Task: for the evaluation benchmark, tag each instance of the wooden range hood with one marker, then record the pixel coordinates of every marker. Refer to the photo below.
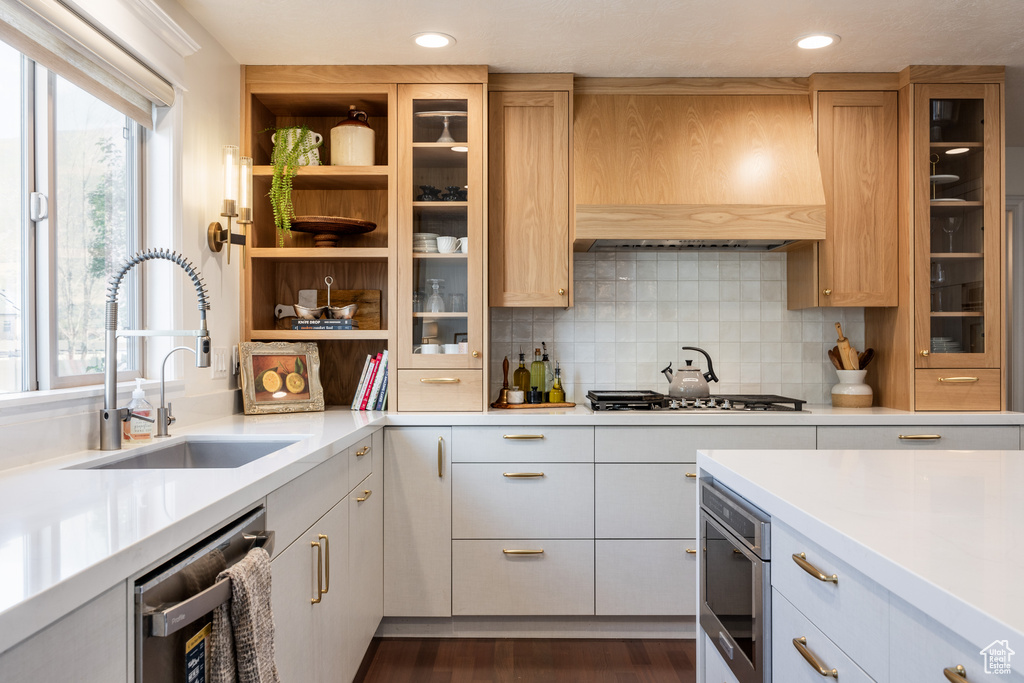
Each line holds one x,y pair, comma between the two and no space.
702,168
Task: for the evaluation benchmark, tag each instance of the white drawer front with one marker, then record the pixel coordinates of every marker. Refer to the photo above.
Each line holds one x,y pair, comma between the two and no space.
924,648
916,437
498,501
790,666
522,444
300,502
360,459
645,501
650,577
853,612
488,581
680,444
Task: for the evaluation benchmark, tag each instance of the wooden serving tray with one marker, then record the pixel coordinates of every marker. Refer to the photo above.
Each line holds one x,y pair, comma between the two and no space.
519,406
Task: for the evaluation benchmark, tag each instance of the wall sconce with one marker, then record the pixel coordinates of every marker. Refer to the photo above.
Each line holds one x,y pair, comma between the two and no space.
237,202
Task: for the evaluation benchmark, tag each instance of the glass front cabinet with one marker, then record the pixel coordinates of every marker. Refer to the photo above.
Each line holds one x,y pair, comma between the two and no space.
959,230
440,295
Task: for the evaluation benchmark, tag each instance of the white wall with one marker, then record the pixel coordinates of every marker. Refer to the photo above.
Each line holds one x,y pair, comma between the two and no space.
1015,170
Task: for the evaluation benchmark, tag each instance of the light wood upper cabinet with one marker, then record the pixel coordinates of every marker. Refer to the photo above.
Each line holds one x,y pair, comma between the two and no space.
530,242
856,264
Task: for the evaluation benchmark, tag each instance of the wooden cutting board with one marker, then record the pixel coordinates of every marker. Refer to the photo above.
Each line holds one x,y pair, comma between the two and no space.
368,300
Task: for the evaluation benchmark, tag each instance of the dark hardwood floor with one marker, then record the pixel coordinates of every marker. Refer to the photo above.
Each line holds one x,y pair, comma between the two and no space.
444,660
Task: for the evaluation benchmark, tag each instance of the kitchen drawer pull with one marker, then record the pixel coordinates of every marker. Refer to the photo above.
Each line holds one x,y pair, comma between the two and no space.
440,380
319,571
801,559
327,562
801,646
522,437
362,451
366,494
524,551
691,551
958,380
440,440
956,675
691,475
920,437
522,475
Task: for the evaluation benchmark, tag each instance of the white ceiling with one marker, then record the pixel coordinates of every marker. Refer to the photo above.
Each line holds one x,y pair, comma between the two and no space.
638,38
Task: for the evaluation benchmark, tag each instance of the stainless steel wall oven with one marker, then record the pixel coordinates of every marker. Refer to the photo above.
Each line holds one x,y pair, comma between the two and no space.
735,581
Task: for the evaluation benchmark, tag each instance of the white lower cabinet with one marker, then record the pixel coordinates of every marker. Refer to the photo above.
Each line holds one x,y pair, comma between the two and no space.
523,577
417,522
327,593
645,501
715,668
647,577
910,437
801,653
89,645
923,650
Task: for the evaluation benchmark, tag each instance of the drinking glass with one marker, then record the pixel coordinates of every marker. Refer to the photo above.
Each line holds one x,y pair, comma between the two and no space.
951,224
435,303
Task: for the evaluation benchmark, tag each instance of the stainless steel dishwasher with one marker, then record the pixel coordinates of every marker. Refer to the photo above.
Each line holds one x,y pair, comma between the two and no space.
174,603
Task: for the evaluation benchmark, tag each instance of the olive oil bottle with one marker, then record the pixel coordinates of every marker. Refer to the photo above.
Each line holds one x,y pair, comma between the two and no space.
557,393
521,377
538,377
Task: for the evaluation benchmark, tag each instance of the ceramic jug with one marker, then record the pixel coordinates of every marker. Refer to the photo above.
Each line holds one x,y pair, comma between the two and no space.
352,140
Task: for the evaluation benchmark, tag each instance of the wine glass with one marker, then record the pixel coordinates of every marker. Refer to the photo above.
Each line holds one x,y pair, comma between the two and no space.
938,280
435,302
951,224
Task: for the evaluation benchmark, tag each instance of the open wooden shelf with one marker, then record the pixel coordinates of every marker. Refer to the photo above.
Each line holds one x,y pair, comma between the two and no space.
331,177
314,335
296,254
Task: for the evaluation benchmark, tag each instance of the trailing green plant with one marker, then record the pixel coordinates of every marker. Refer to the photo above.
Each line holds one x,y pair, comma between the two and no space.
284,158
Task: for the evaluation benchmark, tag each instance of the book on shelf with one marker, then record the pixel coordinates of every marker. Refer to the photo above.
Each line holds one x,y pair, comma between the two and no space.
358,397
303,324
371,403
383,398
370,378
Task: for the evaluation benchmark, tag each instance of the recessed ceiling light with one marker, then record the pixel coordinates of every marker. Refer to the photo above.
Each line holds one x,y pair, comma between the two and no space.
460,148
432,39
958,150
817,40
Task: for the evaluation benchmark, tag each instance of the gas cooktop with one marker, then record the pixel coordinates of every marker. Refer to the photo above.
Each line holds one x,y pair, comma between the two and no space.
652,400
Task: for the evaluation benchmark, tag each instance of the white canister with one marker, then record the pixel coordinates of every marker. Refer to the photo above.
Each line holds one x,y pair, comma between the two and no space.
852,392
352,140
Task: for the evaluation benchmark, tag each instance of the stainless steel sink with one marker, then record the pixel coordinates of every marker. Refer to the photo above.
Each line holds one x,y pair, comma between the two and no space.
195,453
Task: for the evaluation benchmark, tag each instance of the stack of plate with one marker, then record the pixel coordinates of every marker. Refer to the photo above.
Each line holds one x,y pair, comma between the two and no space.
424,242
946,345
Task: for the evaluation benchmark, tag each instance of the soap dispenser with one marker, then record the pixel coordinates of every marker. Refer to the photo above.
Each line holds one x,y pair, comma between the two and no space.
136,430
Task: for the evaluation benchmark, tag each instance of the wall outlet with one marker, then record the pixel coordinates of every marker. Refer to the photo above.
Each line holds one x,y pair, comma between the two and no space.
219,363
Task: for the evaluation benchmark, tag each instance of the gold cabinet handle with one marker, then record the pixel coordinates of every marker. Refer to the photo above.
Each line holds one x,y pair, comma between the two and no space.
522,437
801,646
691,551
366,494
440,461
691,475
362,451
925,353
827,292
522,475
319,572
523,551
440,380
958,380
956,675
919,437
561,291
476,354
327,561
801,560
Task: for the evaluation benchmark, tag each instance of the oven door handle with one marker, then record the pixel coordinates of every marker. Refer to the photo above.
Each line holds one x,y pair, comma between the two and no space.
727,647
166,621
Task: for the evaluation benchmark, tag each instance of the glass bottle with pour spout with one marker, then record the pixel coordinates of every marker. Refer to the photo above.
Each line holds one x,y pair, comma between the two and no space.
521,377
557,394
549,375
538,375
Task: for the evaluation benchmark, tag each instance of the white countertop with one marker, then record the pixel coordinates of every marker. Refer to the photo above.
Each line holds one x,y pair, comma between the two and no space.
67,535
943,530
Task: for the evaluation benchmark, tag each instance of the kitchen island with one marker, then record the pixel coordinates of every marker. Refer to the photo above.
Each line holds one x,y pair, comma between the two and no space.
918,553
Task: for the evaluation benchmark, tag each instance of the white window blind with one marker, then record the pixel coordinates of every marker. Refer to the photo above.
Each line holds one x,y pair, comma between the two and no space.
53,35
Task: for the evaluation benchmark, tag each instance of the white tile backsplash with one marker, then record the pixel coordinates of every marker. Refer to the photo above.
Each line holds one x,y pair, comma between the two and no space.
634,311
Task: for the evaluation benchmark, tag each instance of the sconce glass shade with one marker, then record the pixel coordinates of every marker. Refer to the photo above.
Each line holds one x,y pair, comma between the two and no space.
230,164
245,190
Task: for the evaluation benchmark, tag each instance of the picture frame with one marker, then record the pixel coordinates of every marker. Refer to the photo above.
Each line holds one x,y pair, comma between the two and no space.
460,337
280,377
